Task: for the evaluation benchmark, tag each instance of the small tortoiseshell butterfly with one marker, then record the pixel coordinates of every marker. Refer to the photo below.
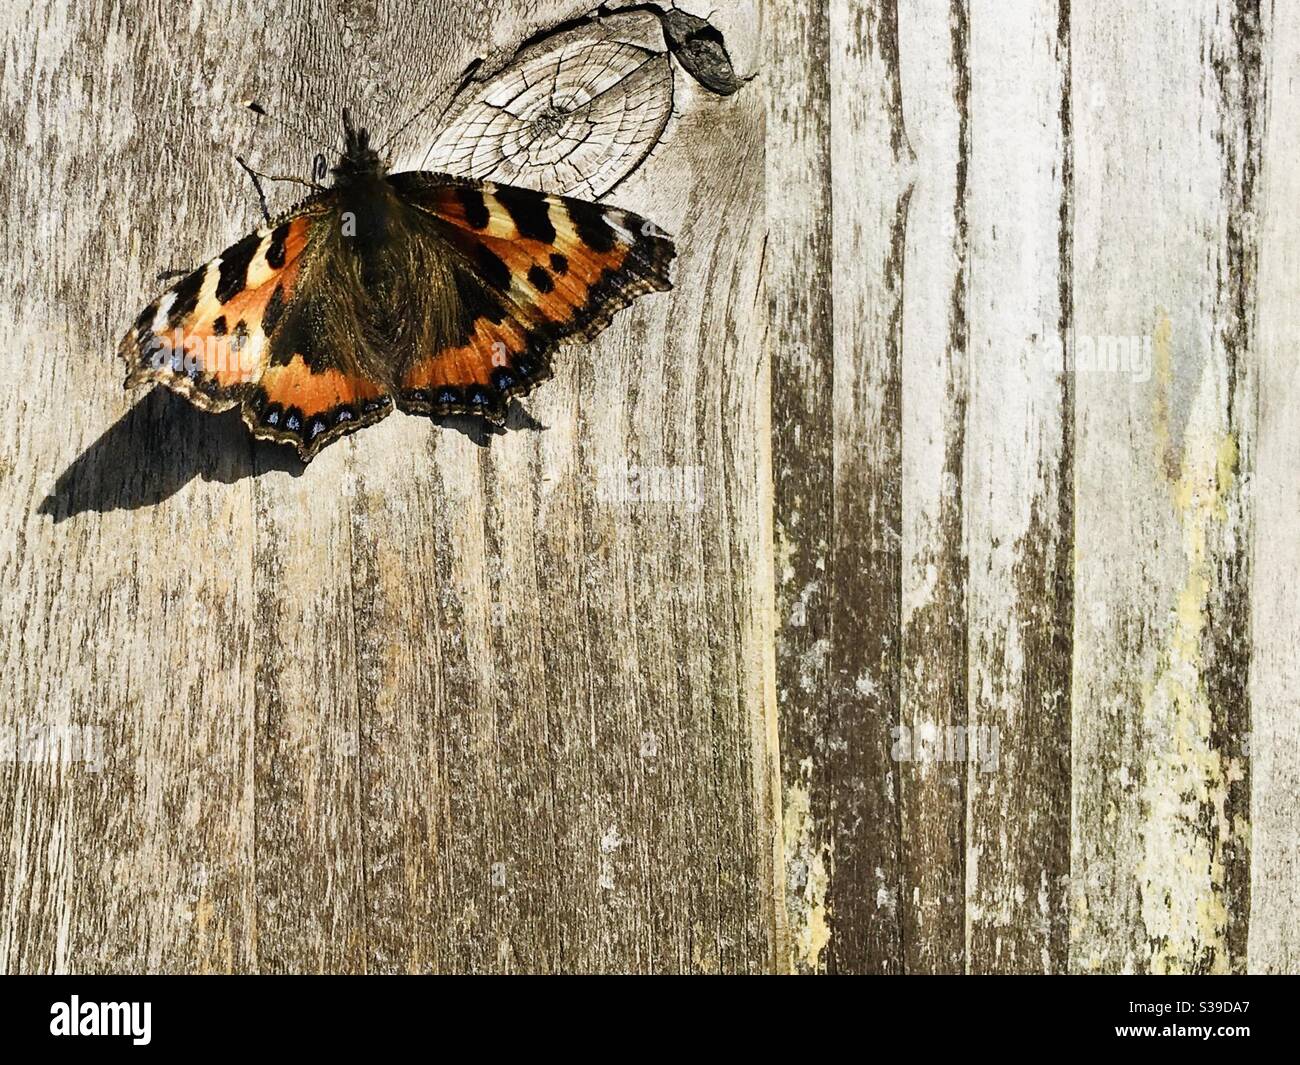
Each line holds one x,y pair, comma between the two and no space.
437,294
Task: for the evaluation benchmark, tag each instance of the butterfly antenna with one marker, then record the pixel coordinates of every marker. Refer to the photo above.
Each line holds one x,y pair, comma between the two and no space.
258,109
464,80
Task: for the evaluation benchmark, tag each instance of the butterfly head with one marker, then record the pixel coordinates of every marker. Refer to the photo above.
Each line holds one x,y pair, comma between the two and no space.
359,159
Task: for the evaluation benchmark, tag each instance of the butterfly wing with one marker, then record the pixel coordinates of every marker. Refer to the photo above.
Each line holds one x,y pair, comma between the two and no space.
531,271
238,331
206,336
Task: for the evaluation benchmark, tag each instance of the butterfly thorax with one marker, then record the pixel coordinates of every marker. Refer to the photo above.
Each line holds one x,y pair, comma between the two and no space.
391,295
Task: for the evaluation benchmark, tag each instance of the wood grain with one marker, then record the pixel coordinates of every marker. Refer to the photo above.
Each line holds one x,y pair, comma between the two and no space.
798,259
1022,549
965,643
1273,937
429,705
935,332
1164,251
1017,489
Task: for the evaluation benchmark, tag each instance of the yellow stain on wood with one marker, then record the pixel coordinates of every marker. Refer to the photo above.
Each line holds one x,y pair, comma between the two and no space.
808,872
204,909
1163,370
1181,876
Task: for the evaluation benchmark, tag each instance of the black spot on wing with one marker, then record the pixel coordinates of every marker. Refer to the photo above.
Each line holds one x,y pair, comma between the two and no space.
187,297
472,203
289,340
490,265
219,326
529,212
234,267
589,221
559,264
540,279
275,250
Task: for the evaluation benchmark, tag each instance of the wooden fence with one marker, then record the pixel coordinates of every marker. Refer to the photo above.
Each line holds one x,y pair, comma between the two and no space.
961,636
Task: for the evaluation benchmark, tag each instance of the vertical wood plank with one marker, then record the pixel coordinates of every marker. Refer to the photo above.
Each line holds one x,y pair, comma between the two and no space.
798,265
934,48
1274,933
1017,487
855,800
1165,256
835,269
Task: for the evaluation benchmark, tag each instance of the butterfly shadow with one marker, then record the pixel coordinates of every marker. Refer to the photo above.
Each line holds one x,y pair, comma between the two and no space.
163,442
154,450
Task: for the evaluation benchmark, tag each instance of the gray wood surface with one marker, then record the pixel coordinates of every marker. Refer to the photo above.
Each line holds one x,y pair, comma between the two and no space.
960,660
428,705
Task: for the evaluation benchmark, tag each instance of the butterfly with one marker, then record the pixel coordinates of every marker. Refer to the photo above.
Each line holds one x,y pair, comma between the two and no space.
423,291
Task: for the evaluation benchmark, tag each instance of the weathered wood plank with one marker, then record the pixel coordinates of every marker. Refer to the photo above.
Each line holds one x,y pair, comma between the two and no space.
835,263
1165,251
427,705
798,270
934,43
1274,932
1017,482
855,803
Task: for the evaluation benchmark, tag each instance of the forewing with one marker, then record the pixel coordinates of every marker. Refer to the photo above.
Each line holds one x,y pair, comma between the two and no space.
206,337
231,332
533,270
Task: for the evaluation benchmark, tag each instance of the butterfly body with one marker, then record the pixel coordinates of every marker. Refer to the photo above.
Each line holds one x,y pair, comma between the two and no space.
422,291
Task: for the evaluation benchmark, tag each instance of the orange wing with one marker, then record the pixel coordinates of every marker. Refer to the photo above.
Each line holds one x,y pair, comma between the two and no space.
213,338
207,336
525,271
540,269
